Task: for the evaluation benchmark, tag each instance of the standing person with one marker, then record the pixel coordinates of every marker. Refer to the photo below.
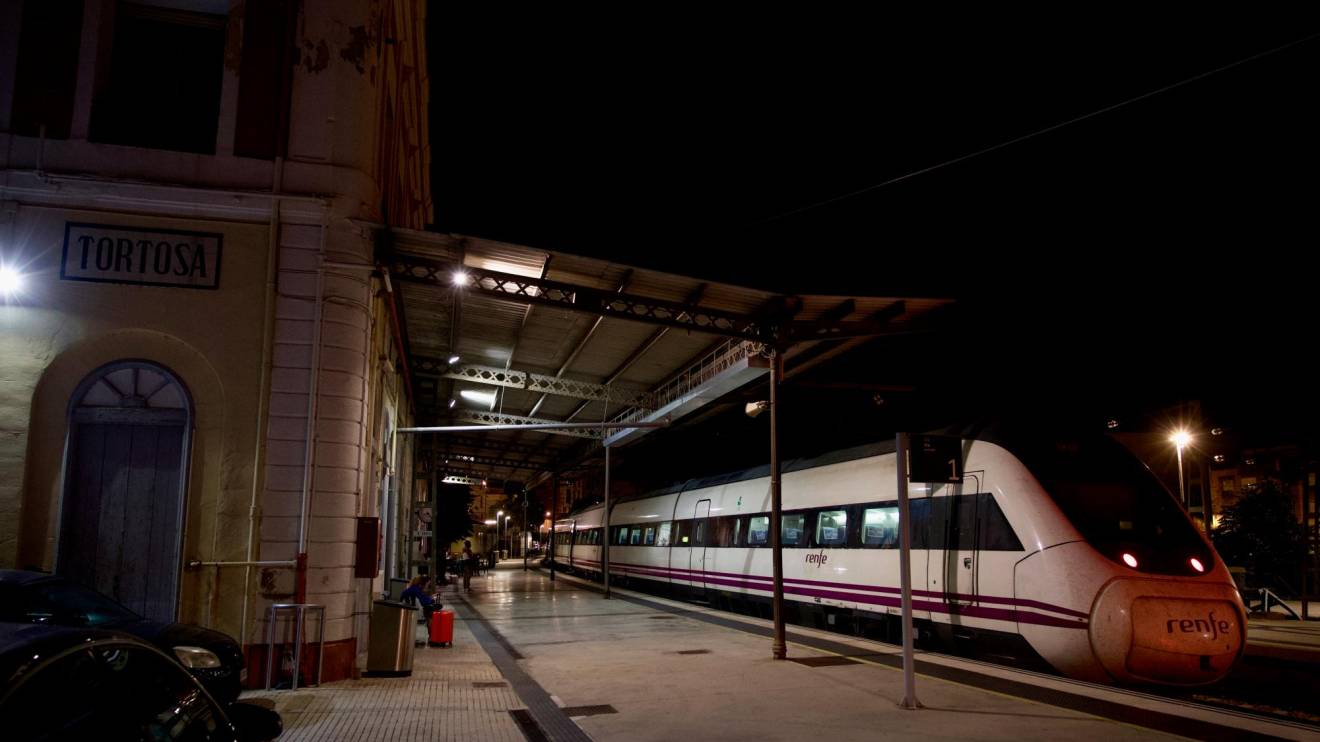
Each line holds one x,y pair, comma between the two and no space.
469,564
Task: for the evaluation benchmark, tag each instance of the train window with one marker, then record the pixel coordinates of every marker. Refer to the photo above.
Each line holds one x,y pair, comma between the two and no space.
682,533
622,538
699,528
832,528
758,530
792,529
924,512
961,523
880,527
662,537
996,533
736,537
721,532
648,536
636,538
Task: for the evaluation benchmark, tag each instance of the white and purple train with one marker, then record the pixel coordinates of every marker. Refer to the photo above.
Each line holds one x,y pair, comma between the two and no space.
1066,552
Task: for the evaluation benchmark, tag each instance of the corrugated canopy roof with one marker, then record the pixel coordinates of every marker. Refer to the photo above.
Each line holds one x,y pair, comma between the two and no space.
521,341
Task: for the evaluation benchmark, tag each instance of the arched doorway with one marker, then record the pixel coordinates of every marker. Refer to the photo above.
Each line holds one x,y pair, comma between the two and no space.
124,480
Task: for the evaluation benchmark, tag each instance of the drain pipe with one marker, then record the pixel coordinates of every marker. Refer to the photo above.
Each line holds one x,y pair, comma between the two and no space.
263,390
309,454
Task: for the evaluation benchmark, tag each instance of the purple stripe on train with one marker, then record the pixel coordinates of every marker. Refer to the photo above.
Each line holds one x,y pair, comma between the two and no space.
757,582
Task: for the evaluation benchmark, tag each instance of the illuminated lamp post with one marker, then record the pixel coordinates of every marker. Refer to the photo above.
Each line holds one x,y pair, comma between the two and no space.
1181,438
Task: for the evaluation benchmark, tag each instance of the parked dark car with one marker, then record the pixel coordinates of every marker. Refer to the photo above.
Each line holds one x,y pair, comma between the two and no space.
36,597
74,683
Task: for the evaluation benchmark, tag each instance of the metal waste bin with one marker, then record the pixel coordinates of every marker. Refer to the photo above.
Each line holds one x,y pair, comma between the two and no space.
390,651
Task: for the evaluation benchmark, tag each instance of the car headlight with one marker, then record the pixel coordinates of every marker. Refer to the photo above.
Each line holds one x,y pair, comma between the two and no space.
196,657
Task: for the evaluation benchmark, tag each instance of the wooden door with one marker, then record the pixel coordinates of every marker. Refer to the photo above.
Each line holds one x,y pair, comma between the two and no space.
124,480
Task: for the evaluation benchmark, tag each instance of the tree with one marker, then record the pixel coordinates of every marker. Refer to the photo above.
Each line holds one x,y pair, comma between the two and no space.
1260,532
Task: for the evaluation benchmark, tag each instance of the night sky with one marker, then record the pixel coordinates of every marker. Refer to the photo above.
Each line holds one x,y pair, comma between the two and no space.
1155,253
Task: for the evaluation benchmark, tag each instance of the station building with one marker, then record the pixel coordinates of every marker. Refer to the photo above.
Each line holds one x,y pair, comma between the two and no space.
200,373
233,317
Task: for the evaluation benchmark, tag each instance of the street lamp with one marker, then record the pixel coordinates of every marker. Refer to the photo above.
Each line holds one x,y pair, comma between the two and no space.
499,519
1181,438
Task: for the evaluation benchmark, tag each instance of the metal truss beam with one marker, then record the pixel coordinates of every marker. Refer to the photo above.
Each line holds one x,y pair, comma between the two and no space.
604,302
455,440
443,461
531,381
773,327
480,417
462,479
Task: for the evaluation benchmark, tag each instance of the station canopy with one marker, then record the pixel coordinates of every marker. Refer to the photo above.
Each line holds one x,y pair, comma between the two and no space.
504,334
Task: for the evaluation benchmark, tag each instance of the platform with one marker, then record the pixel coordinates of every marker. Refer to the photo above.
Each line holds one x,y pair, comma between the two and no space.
540,660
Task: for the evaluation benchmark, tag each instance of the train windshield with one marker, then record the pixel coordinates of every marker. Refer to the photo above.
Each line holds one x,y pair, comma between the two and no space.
1117,504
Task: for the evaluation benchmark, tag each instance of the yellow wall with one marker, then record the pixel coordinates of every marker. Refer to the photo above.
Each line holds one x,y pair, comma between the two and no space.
211,339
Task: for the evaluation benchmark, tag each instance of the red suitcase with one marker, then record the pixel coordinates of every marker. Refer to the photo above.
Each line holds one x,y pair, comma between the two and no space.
442,628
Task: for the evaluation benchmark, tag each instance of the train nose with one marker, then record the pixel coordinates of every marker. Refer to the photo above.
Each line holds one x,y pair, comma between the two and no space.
1167,631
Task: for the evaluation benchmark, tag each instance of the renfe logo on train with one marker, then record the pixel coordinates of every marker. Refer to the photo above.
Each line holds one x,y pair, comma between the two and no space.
154,257
1200,626
818,559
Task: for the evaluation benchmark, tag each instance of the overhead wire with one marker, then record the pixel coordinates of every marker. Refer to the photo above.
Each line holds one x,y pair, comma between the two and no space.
1046,130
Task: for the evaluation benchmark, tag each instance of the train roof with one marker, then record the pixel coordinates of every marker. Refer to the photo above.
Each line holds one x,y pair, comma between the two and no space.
864,451
1004,430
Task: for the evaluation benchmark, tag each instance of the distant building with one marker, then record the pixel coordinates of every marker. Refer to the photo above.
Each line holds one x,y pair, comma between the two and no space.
201,375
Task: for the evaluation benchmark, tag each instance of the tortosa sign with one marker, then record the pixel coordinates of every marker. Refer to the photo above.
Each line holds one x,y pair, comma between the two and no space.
154,257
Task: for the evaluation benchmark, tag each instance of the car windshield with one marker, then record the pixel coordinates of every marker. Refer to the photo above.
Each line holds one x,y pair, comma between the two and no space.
92,608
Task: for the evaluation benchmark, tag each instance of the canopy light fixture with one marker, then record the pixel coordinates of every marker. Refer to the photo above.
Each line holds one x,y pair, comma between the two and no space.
485,398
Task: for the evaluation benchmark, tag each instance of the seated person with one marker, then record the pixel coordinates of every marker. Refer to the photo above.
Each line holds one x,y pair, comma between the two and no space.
416,593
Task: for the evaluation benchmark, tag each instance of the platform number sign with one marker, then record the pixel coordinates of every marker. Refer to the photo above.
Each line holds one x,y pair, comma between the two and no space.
935,458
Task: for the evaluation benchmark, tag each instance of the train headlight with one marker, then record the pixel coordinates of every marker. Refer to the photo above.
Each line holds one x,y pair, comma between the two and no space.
1129,560
1196,564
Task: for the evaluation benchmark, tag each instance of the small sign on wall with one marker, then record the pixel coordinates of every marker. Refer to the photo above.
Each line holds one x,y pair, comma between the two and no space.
153,257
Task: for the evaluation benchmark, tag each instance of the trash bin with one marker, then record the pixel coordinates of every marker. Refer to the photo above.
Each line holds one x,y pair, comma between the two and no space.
390,648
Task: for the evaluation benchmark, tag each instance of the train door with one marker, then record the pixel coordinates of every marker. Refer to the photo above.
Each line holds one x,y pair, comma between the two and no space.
962,552
697,554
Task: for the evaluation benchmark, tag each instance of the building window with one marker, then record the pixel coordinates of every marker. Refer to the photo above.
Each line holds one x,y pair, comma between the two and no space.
163,87
264,78
46,71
